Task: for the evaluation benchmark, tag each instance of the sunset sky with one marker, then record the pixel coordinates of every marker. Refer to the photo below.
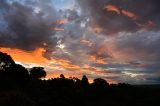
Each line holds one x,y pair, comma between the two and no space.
118,40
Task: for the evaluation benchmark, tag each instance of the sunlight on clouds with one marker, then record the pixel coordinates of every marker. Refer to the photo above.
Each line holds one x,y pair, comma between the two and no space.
119,11
86,42
98,60
25,56
112,8
66,64
133,75
95,29
62,22
59,29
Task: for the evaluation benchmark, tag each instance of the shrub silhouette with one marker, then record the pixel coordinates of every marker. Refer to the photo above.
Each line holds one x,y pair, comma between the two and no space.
37,72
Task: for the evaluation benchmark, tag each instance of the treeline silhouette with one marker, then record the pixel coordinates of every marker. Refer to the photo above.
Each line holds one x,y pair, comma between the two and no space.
24,87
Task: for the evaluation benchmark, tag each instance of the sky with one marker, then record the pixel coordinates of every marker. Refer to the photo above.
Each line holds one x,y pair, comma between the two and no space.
115,40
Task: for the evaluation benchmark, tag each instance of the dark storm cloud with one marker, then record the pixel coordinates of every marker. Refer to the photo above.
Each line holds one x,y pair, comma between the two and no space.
144,45
27,26
71,15
146,12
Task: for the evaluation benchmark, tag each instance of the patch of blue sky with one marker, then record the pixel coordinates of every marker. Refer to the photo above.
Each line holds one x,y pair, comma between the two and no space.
19,1
64,4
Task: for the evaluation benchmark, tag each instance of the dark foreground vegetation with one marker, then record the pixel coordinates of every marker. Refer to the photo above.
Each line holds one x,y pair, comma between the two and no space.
23,87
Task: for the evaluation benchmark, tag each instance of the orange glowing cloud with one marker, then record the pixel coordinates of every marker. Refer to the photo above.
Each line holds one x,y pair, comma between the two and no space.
113,8
86,66
70,66
129,14
95,30
64,63
118,10
86,42
59,29
25,56
61,22
98,60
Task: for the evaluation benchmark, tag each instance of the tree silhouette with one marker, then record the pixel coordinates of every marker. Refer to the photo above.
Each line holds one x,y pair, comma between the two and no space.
12,74
84,81
16,71
5,61
62,76
37,72
100,82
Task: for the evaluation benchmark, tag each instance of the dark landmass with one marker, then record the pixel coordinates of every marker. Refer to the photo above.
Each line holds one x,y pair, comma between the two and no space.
22,87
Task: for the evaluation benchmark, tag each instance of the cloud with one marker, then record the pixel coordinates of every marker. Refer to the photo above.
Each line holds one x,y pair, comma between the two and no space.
122,16
28,25
115,40
142,45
